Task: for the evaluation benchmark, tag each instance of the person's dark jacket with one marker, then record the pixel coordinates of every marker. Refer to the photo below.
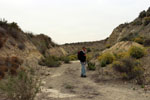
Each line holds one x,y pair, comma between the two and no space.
82,56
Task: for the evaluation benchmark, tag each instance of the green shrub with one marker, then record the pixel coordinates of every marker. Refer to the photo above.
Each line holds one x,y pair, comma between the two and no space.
148,14
136,52
139,40
142,14
72,57
119,66
41,42
146,20
7,25
129,37
88,50
108,45
50,61
24,86
89,57
148,10
146,42
138,22
121,55
3,22
91,66
129,68
14,25
68,86
65,59
142,40
96,55
105,59
30,35
41,47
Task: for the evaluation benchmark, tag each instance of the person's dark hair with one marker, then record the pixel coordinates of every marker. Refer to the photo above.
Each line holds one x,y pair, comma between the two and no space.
83,47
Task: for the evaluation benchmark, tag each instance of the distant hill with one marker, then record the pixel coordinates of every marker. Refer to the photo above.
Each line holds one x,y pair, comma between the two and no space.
73,48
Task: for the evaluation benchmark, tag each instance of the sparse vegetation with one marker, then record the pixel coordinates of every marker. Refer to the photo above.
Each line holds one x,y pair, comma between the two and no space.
12,25
89,57
13,30
21,46
65,59
139,39
88,50
146,20
105,59
91,66
108,45
137,22
72,57
42,42
142,14
129,37
24,86
148,13
68,86
146,42
29,35
121,55
137,52
129,68
3,22
50,61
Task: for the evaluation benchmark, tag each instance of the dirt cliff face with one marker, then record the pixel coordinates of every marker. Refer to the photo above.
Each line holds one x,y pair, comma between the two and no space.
16,43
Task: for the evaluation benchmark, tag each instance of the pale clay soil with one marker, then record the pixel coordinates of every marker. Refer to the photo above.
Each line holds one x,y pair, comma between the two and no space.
65,83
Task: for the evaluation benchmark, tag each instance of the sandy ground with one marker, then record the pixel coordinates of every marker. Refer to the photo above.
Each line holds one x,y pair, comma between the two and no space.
65,83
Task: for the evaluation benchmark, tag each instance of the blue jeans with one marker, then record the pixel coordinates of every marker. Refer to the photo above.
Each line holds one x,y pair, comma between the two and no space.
83,71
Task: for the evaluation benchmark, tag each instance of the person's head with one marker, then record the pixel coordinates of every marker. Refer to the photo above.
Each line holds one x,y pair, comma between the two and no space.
83,48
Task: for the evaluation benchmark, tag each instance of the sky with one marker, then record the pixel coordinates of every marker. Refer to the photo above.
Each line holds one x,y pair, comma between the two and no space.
67,21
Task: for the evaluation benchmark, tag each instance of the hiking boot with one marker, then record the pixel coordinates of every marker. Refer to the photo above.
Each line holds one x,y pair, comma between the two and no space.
82,75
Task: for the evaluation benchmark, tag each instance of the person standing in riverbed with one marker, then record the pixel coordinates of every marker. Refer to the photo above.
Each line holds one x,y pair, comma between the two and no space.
82,58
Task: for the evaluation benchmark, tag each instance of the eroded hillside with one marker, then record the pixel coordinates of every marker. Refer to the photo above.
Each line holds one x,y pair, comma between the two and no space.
140,27
16,45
